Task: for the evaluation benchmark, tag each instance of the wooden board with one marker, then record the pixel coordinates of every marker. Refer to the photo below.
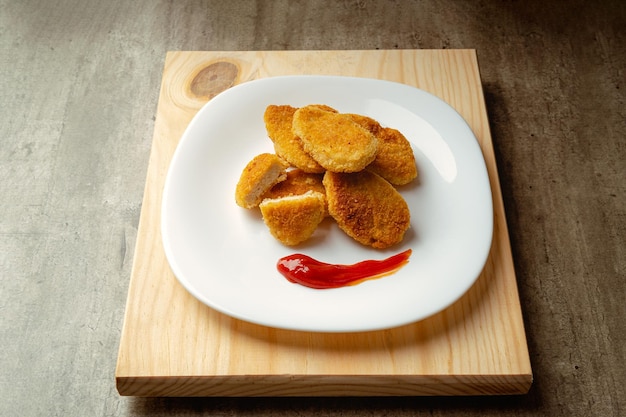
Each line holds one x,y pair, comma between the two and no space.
173,345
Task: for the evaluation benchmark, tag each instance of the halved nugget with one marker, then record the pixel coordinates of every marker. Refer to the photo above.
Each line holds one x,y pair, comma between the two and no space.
334,140
293,219
367,208
298,182
278,120
259,176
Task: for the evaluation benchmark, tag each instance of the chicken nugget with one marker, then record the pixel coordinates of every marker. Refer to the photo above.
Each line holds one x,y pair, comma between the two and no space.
324,107
259,176
298,182
395,160
334,140
367,208
293,219
278,121
366,122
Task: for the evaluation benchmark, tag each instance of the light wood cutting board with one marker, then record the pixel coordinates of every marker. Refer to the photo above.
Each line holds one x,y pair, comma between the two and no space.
173,345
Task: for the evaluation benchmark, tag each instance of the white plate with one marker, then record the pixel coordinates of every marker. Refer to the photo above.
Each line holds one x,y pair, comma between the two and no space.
225,256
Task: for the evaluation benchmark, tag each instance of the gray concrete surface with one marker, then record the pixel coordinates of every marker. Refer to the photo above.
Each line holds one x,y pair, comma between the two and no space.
79,82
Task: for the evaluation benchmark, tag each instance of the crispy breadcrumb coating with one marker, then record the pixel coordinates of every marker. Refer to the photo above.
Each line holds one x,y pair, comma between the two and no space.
395,160
298,182
278,122
367,208
334,140
293,219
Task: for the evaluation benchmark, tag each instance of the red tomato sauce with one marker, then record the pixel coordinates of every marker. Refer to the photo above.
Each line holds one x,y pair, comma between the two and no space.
304,270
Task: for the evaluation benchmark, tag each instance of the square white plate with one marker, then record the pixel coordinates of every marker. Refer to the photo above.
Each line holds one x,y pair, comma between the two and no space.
225,256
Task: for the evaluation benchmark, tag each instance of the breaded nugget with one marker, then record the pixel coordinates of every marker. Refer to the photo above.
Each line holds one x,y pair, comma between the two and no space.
334,140
367,208
298,182
278,121
366,122
293,219
260,175
324,107
395,160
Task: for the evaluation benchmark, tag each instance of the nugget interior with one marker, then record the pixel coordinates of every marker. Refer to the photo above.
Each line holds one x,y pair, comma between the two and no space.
259,176
297,182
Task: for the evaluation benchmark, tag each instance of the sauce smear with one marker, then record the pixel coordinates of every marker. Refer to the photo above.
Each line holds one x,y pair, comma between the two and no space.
304,270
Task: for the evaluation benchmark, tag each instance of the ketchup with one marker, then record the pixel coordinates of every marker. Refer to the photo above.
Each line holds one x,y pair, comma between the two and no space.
304,270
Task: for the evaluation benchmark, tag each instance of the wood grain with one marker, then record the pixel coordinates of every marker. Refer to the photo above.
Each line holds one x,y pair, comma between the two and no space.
172,345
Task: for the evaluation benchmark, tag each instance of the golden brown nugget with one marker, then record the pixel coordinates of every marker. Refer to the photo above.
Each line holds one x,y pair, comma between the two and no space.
395,160
366,122
278,121
367,208
259,176
334,140
293,219
324,107
298,182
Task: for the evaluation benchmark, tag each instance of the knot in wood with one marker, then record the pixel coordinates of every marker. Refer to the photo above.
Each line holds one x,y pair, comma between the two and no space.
214,79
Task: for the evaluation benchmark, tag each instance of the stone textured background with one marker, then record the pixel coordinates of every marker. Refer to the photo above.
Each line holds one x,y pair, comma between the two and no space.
79,81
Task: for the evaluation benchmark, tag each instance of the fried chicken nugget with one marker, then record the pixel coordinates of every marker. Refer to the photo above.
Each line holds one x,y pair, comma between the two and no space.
367,123
298,182
293,219
395,160
259,176
334,140
367,208
278,121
